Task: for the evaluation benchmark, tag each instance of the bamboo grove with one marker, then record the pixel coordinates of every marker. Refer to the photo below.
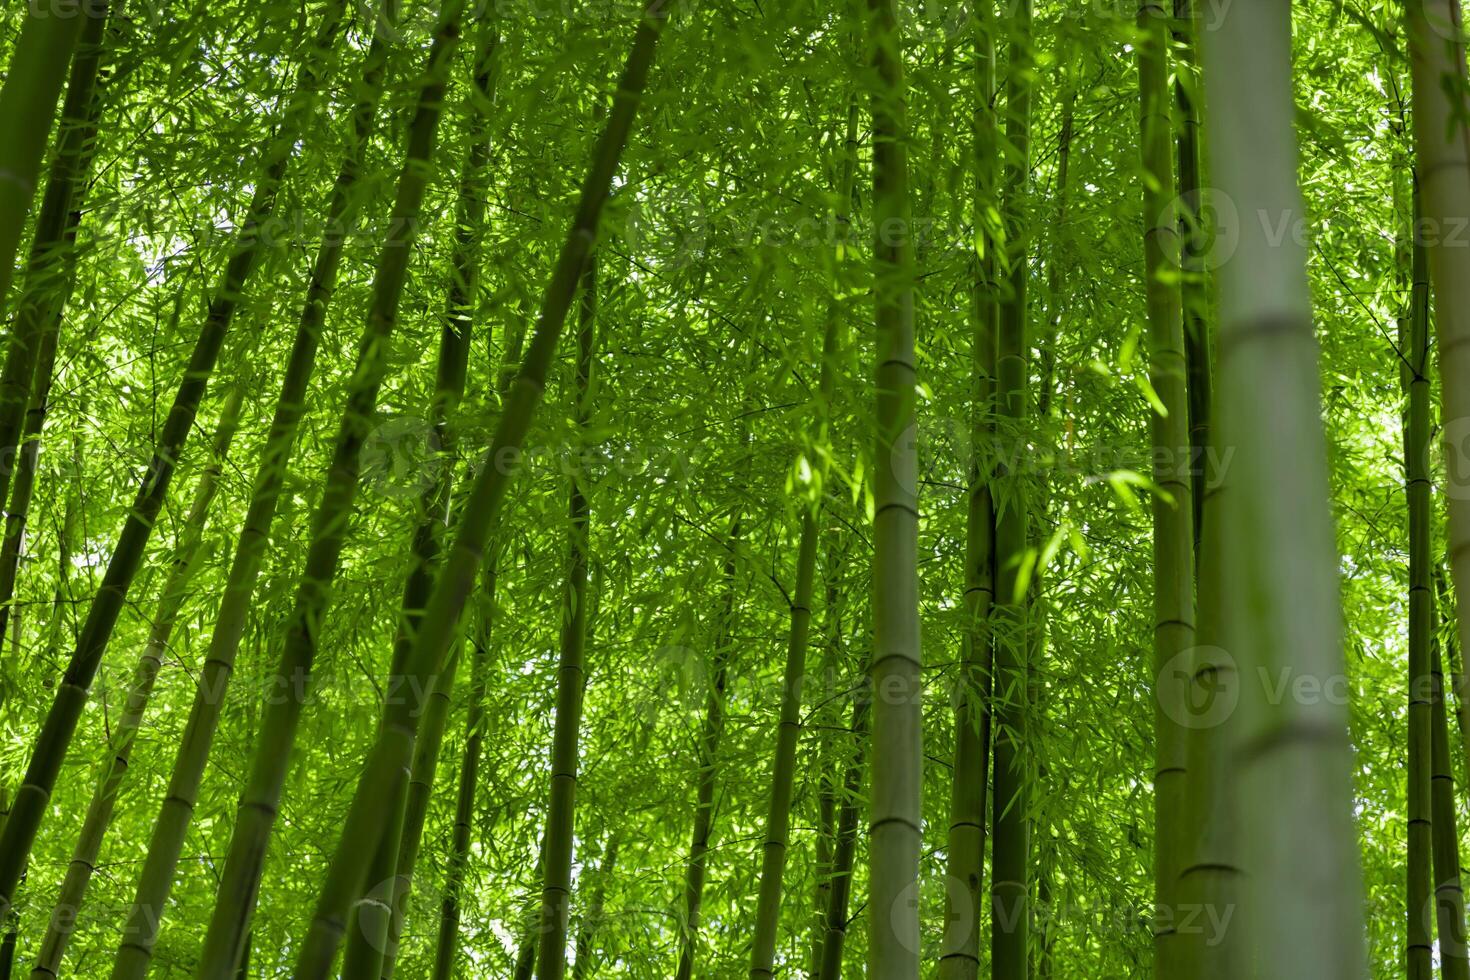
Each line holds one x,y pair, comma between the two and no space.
896,488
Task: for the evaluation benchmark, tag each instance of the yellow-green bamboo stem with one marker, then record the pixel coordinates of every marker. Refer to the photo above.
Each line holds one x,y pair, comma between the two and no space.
895,801
170,829
1173,541
964,891
1290,770
391,756
95,825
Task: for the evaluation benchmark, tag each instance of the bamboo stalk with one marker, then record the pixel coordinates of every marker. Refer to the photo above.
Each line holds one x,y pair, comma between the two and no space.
595,911
556,890
447,943
846,846
1193,245
964,891
170,829
525,965
114,770
235,902
710,735
789,726
1010,801
1173,540
824,848
369,940
29,360
1414,340
1437,64
1211,879
1291,771
21,493
127,556
895,806
391,756
470,217
1449,894
28,98
831,764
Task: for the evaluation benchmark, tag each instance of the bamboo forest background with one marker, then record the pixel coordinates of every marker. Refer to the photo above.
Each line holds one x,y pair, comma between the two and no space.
714,463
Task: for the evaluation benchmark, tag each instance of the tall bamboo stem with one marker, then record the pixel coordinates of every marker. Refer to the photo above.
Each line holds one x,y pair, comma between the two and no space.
127,556
391,756
711,733
369,942
788,728
171,602
964,891
170,828
1291,770
1173,542
895,801
25,379
1420,878
1010,801
556,889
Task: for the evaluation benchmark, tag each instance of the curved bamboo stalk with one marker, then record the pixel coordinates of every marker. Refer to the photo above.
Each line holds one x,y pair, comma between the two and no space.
114,770
235,902
166,841
29,360
392,754
127,556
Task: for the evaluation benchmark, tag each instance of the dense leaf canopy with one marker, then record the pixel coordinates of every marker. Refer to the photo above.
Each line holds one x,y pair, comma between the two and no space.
725,252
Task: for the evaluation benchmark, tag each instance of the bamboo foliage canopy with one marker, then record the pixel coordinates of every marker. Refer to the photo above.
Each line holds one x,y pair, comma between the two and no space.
571,488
